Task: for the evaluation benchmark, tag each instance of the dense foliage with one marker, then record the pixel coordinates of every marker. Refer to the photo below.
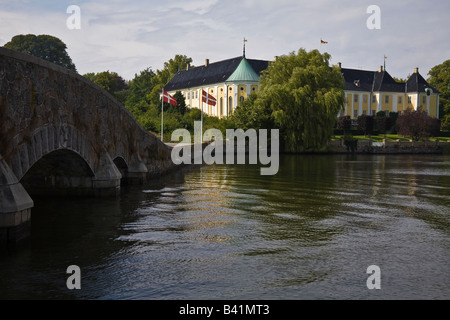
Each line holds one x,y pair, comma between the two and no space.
111,82
344,123
440,79
43,46
417,125
365,124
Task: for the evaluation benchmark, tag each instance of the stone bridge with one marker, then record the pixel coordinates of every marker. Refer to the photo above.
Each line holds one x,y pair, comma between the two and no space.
62,134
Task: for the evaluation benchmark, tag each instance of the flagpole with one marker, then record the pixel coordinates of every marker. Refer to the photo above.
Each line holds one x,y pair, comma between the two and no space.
162,117
201,127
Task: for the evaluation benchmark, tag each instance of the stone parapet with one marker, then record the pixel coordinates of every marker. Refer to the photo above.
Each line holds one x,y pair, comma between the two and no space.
15,206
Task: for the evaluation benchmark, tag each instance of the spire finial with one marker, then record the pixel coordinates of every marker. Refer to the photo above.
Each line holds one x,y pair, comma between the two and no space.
244,47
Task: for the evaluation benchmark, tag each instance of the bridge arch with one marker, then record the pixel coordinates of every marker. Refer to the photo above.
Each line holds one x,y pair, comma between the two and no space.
47,140
60,172
49,113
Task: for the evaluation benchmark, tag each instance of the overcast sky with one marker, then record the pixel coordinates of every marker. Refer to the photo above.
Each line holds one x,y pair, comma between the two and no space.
130,36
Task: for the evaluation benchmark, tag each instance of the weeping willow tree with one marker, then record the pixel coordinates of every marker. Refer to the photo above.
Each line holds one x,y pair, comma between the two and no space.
305,96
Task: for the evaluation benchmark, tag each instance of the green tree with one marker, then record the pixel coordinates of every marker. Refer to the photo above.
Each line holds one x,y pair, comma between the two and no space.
140,88
162,77
365,124
305,96
252,114
344,123
440,79
401,80
417,125
111,82
181,104
43,46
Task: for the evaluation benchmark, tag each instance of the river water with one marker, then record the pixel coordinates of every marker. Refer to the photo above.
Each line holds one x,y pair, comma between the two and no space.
226,232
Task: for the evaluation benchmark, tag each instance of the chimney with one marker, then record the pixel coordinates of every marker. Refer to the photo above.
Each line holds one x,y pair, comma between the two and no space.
380,69
416,70
187,67
340,65
206,62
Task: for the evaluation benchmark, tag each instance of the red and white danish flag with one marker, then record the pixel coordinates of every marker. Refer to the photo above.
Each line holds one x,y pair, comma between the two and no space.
169,99
209,99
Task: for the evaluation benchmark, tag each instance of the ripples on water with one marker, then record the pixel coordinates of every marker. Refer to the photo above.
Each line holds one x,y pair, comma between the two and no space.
225,232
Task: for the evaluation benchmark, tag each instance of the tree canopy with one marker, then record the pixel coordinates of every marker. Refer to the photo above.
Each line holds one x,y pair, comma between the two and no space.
440,79
144,101
43,46
162,77
111,82
417,125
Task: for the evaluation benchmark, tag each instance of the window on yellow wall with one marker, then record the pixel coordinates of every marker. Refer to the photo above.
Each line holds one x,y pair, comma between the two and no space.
374,99
399,100
409,100
355,113
355,98
365,99
386,99
424,100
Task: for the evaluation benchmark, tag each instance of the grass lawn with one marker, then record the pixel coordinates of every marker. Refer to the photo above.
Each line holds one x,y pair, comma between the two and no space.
390,137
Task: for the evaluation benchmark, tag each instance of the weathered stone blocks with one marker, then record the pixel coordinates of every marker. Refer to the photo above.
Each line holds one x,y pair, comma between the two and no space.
46,109
15,206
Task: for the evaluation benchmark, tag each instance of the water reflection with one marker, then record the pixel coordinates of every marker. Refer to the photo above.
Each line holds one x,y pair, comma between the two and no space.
226,232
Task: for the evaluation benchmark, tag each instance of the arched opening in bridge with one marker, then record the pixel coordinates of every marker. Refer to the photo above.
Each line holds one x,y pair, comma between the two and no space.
62,173
123,168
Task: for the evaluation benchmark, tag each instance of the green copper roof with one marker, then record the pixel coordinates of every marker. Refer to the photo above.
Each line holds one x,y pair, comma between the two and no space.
244,72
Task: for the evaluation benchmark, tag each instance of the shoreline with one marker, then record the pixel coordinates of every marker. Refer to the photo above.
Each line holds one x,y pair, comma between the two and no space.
390,147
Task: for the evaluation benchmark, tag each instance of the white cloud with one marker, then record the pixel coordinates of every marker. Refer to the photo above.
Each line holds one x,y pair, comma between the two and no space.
129,36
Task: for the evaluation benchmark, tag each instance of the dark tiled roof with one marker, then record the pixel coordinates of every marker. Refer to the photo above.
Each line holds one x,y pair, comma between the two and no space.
355,80
216,72
416,83
384,82
375,81
363,80
358,80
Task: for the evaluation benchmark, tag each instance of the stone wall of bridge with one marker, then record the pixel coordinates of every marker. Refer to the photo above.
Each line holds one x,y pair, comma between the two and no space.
48,115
